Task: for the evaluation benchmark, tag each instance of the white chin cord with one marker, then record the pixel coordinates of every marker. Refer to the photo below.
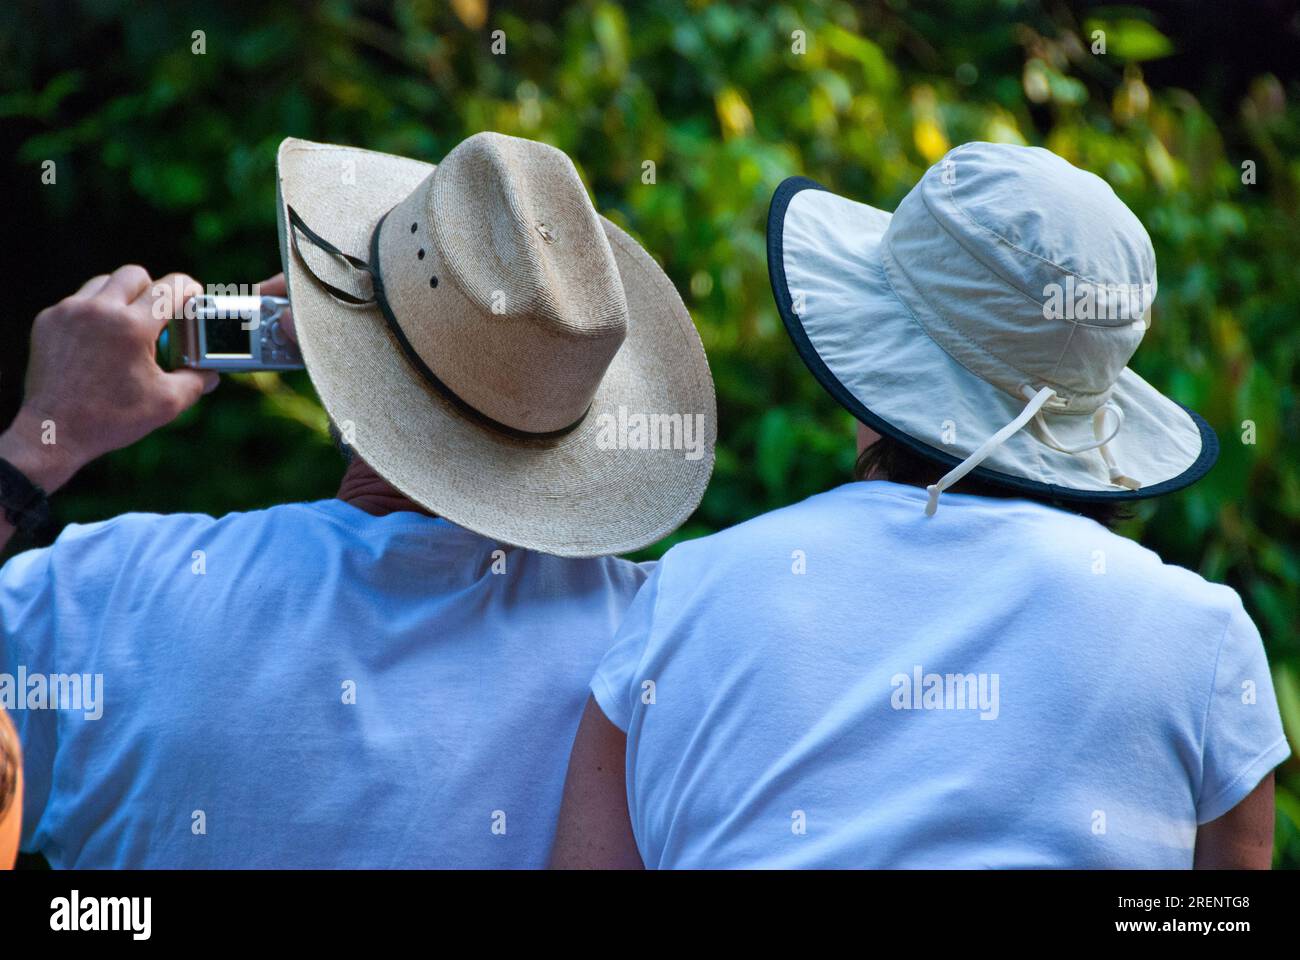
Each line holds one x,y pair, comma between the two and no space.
1033,411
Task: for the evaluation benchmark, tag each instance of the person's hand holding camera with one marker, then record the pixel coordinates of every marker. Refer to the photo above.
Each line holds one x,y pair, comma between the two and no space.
93,384
276,287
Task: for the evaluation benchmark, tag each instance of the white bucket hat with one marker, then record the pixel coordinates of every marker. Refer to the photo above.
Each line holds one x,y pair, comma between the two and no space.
502,354
987,324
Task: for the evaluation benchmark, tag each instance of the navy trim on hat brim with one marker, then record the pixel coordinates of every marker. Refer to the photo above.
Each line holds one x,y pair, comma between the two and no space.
785,192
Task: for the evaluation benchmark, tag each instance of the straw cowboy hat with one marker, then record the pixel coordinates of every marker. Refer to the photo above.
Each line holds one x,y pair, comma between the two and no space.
987,324
481,333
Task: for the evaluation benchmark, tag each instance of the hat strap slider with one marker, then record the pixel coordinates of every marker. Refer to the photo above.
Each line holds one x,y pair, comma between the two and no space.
1098,426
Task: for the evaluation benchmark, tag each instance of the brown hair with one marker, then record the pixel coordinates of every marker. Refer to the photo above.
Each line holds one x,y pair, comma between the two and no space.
887,459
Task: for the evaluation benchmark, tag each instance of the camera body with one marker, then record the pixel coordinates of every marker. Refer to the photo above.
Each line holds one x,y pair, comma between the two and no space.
230,334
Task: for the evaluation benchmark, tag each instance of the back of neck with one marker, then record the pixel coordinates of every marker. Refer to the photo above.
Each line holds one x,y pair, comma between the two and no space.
366,490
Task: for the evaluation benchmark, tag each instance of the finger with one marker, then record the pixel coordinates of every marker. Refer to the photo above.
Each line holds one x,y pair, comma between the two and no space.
273,286
277,287
184,387
164,299
125,283
92,286
286,324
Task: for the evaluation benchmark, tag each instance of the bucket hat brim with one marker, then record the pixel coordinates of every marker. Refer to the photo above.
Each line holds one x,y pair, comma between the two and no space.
569,496
863,345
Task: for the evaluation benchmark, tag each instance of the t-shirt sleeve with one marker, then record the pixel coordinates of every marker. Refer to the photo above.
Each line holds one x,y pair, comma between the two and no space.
1243,738
616,685
27,648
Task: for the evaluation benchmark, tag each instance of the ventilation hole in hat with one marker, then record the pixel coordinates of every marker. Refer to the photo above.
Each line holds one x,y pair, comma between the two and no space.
413,228
433,281
420,254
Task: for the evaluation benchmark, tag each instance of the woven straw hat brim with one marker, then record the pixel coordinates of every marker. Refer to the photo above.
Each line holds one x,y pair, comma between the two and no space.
564,496
873,356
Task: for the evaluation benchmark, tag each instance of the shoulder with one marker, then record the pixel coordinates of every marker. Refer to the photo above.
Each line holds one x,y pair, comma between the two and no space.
1114,580
128,535
614,575
1134,562
138,525
787,528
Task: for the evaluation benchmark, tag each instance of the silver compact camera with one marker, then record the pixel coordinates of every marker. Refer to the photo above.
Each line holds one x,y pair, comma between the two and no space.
230,335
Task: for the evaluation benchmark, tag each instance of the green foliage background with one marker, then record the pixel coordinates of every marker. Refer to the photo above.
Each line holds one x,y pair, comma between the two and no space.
166,158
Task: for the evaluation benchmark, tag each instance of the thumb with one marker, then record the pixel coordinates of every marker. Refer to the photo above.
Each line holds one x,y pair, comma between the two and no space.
184,387
273,286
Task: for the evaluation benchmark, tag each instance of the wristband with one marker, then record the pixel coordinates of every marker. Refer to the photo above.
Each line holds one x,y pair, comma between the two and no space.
24,503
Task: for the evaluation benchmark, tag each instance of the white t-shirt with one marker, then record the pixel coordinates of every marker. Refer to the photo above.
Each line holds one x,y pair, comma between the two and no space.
304,686
849,683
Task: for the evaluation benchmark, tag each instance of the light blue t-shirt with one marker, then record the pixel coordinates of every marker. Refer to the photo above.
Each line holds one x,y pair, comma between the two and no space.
304,686
849,683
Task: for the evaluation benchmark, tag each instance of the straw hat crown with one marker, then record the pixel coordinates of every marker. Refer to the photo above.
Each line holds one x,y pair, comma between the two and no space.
500,274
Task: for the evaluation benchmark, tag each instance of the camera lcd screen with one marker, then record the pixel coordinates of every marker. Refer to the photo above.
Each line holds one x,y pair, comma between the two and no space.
226,337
